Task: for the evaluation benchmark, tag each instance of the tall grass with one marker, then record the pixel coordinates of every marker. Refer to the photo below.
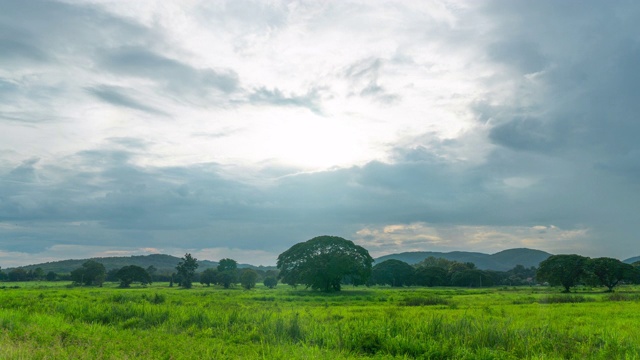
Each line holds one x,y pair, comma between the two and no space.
160,322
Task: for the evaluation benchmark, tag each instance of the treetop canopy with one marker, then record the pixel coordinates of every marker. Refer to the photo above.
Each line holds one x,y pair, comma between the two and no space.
323,262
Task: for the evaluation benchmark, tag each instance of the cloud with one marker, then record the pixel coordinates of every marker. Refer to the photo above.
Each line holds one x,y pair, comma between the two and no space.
364,77
117,96
176,76
478,125
276,97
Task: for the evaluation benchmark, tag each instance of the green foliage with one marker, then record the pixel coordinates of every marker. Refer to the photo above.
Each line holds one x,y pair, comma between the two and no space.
392,272
91,273
431,276
563,299
18,274
51,276
471,278
208,277
133,273
425,301
565,270
227,273
227,265
323,262
609,272
377,323
186,270
271,282
248,278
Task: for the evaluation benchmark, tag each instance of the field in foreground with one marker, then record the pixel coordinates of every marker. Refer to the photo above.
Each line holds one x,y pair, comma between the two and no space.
158,322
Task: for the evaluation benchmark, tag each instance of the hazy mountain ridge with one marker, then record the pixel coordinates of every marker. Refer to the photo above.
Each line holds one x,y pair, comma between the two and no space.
162,262
500,261
632,260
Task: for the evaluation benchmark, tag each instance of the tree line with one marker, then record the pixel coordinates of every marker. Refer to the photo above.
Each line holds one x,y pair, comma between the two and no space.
327,262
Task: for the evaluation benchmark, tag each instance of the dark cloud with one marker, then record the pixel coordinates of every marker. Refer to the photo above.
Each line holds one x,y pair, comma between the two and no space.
46,30
177,76
527,134
24,172
523,55
276,97
130,143
117,96
364,77
557,132
16,51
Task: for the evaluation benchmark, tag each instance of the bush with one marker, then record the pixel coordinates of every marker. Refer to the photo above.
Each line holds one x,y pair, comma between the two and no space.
563,299
367,343
622,297
425,301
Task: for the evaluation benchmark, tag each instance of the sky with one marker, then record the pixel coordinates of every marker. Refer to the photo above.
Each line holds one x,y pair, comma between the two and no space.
239,128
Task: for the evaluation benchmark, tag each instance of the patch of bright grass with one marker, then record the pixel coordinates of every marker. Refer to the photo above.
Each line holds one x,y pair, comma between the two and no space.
159,322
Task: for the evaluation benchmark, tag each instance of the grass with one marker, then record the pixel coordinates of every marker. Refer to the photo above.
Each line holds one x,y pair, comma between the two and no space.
159,322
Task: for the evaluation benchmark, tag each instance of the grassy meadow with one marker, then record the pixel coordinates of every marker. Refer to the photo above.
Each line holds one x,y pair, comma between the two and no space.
53,321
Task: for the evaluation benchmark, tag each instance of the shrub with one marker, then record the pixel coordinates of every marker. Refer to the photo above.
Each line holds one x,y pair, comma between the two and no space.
563,299
425,301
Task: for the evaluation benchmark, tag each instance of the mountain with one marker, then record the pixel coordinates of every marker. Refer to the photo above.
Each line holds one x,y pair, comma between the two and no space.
500,261
632,260
164,263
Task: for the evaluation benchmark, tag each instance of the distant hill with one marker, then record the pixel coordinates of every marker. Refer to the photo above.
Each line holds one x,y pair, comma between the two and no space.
501,261
632,260
164,263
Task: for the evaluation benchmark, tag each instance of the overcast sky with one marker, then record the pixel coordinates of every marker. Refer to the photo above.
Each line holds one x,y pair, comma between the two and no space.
239,128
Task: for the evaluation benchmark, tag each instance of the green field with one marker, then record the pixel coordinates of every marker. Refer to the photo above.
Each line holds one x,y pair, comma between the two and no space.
52,321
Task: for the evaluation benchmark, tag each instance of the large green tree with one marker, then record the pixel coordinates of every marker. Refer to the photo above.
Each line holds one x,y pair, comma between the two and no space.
248,278
91,273
564,270
431,276
208,277
471,278
609,272
132,273
270,282
187,270
323,262
392,272
227,274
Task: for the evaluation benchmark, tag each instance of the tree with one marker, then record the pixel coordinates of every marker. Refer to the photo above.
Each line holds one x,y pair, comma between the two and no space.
37,274
152,270
431,276
51,276
186,270
227,272
112,275
323,262
133,273
392,272
248,278
208,277
18,274
564,270
471,278
609,272
270,282
91,273
3,276
227,265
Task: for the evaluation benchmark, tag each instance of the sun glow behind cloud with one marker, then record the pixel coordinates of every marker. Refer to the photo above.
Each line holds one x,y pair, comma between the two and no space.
266,123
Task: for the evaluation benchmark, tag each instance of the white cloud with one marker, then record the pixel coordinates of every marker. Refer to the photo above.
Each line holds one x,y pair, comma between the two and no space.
440,123
381,240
